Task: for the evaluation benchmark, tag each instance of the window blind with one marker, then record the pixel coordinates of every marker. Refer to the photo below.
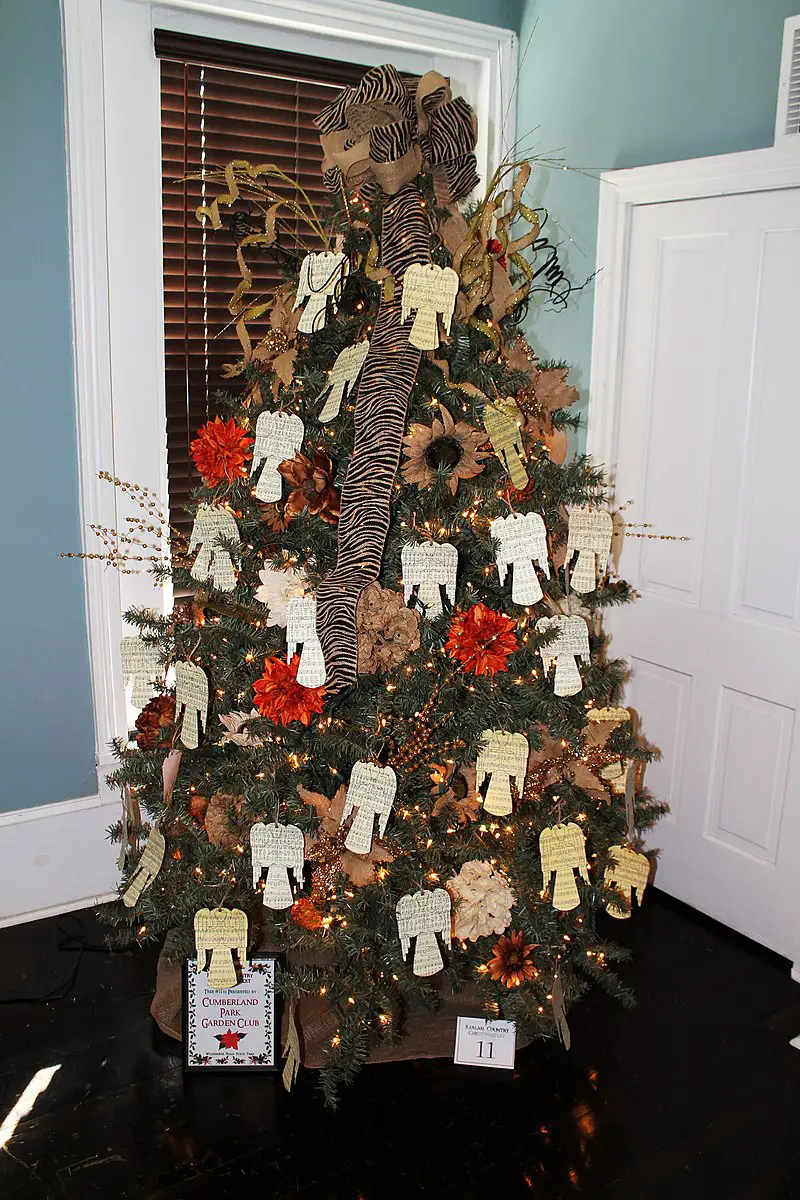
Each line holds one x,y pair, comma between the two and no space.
220,101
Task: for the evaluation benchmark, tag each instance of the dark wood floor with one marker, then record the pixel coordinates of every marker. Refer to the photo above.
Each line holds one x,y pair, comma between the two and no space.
693,1095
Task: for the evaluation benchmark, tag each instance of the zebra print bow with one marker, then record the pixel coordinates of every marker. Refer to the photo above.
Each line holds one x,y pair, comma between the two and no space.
379,135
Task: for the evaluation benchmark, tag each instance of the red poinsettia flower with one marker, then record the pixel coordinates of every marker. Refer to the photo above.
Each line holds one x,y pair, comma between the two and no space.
482,639
495,248
221,450
280,697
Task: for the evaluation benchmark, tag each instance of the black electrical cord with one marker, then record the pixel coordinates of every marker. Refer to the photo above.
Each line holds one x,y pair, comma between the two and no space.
76,942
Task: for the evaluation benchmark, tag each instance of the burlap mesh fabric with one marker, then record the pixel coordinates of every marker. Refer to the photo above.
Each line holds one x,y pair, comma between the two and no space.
426,1034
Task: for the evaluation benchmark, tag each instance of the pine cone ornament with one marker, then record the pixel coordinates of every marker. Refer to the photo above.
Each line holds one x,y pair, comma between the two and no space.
482,901
387,630
223,820
157,714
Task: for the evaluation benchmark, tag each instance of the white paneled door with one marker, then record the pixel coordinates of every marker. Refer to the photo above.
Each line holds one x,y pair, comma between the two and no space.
700,418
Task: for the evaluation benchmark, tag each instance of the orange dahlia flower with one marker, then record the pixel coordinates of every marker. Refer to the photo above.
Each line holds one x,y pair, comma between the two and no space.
280,697
512,963
221,450
482,639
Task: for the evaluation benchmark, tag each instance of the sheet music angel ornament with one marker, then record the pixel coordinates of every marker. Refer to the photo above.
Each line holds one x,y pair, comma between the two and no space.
321,276
431,290
140,662
214,529
370,793
342,378
279,849
602,723
563,851
589,536
422,915
502,757
148,867
522,541
279,435
191,699
503,421
570,643
629,872
427,568
301,630
221,932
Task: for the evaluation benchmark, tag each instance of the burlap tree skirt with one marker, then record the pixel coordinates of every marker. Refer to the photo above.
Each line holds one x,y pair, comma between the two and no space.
426,1034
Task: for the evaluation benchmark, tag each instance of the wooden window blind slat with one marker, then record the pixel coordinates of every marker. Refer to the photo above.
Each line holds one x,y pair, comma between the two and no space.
219,101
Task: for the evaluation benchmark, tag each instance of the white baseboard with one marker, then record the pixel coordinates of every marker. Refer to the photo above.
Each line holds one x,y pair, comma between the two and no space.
56,858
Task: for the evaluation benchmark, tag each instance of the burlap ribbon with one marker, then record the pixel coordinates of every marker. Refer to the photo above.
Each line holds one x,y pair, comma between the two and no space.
378,136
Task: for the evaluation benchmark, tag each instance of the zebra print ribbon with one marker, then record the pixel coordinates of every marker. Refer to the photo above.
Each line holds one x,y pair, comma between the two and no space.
378,135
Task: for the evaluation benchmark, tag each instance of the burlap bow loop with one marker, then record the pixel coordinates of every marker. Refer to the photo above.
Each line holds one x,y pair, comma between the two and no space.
384,131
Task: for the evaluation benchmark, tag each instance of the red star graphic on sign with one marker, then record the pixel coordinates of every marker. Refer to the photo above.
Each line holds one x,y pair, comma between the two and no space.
230,1040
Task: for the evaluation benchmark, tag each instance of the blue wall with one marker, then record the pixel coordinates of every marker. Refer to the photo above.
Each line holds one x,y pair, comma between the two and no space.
46,730
505,13
627,82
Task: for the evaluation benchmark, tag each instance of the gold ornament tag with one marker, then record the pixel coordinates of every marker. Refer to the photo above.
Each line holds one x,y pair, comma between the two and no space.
342,376
571,642
279,849
370,793
301,630
589,537
502,757
140,663
521,541
214,528
279,436
321,276
432,291
563,851
191,698
503,422
629,872
148,868
220,932
422,915
427,568
560,1012
291,1049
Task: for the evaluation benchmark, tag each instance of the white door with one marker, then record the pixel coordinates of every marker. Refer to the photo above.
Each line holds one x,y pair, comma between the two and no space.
706,441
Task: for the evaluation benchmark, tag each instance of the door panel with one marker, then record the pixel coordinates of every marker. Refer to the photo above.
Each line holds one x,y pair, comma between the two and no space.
707,445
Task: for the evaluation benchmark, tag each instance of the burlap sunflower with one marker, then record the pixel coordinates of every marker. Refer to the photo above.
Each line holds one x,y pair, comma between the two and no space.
444,448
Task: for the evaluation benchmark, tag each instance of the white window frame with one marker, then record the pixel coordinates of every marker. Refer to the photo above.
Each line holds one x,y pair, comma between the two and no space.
114,175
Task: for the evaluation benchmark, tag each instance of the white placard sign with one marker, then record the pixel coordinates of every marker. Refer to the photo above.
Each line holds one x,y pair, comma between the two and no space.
234,1028
482,1043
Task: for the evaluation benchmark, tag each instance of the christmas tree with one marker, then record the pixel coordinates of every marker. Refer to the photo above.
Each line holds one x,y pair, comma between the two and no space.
386,726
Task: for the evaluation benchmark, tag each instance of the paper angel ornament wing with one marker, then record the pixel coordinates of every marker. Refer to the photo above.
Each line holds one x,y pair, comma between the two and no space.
301,629
214,530
590,532
430,290
140,663
563,850
279,435
147,869
629,871
371,791
502,756
439,913
342,377
571,642
522,540
221,931
427,568
503,422
407,911
320,276
191,699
